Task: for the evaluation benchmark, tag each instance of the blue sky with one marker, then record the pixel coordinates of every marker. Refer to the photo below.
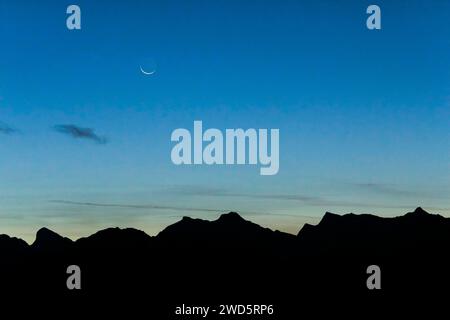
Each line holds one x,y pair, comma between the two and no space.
363,115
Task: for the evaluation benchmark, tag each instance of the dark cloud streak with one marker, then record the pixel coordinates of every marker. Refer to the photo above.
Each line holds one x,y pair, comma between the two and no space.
304,200
134,206
173,208
388,189
80,133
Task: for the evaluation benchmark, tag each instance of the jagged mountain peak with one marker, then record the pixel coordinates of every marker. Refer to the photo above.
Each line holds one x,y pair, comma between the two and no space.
47,234
48,239
231,217
420,211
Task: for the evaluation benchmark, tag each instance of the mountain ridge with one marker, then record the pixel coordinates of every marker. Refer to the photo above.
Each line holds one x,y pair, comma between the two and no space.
199,260
46,237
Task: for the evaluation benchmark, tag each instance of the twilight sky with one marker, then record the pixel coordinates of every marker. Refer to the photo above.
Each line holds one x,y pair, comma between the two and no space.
363,115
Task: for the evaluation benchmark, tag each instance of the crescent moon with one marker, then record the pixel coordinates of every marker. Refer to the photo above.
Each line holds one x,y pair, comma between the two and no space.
145,72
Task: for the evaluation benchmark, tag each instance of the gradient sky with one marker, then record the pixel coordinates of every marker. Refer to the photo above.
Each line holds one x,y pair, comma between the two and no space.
363,115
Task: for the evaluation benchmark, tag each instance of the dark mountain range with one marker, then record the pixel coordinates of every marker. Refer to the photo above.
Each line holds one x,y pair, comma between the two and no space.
231,258
232,228
415,230
359,234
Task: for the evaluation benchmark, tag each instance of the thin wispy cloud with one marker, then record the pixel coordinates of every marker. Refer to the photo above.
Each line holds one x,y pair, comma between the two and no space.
410,192
77,132
135,206
162,207
190,190
304,199
388,189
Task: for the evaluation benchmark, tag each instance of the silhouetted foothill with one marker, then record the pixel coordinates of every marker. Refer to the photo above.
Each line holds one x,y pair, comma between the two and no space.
115,239
12,245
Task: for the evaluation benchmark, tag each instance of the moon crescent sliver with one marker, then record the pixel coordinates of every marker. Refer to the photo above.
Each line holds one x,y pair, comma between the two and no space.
145,72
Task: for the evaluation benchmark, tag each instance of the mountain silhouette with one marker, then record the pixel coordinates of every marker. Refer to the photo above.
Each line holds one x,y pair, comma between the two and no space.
115,239
334,234
48,240
12,246
368,234
229,230
198,260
